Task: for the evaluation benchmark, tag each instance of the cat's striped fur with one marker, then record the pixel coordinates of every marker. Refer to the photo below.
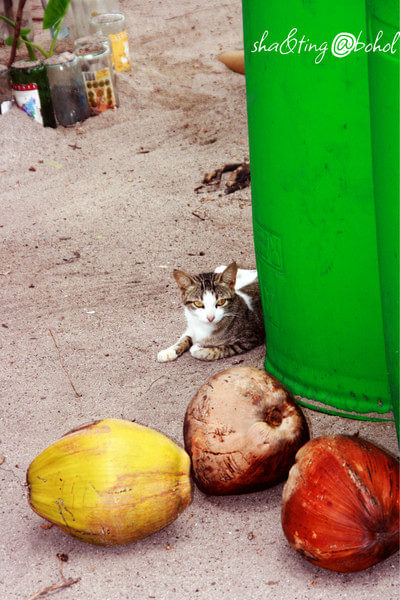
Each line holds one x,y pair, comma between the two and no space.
223,314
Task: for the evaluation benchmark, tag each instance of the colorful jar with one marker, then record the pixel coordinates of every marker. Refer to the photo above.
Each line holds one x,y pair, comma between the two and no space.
31,90
5,90
114,26
99,78
67,89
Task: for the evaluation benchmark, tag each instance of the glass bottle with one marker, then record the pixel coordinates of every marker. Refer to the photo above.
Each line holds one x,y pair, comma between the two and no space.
67,89
32,92
9,9
82,10
67,27
5,90
114,26
98,74
5,29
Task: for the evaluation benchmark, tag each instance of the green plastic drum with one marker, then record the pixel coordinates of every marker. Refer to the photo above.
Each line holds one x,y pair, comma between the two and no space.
384,66
313,204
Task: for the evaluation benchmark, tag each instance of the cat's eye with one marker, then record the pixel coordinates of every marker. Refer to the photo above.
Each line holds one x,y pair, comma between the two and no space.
198,304
221,302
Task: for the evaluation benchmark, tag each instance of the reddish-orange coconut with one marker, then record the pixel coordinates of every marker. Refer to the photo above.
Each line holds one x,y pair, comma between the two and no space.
341,503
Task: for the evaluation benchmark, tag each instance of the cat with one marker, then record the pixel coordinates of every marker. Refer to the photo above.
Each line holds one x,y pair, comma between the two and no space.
223,314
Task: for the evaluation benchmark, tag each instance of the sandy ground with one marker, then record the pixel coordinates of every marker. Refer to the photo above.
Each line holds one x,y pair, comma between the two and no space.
93,220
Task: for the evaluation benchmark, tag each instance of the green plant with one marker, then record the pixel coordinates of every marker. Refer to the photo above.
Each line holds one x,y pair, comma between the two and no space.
54,15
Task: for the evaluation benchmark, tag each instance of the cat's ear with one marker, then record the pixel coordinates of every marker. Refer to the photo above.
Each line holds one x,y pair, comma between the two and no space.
183,280
229,275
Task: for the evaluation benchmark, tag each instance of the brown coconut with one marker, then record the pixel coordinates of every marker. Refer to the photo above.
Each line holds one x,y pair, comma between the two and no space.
242,431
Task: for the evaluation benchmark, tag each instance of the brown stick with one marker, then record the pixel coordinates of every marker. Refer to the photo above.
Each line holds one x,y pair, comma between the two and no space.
18,22
195,214
63,366
55,587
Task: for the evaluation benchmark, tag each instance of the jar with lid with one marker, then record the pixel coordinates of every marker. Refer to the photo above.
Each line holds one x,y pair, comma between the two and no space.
114,26
5,90
31,90
99,78
67,89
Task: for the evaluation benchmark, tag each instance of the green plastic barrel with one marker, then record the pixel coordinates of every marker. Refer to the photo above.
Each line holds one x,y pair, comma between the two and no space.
313,204
384,65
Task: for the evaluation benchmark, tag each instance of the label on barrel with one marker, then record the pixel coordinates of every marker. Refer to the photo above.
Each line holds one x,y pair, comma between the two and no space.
120,51
99,90
27,98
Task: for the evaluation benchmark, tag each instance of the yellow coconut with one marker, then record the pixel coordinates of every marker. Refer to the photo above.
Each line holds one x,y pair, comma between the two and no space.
110,482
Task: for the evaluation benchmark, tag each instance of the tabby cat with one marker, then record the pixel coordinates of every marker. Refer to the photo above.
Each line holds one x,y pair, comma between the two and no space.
223,314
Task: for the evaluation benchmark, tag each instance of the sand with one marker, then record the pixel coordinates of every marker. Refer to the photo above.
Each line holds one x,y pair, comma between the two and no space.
93,220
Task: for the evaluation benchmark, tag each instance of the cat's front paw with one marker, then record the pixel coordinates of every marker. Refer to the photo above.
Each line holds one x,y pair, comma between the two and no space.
167,355
202,353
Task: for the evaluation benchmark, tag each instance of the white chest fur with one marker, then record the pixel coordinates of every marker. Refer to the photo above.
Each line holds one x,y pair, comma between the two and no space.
201,322
198,329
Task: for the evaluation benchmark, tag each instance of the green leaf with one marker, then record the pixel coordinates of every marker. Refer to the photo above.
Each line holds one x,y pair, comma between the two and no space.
9,41
55,11
25,32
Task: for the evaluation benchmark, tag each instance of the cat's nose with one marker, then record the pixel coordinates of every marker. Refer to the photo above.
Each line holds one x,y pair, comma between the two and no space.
210,318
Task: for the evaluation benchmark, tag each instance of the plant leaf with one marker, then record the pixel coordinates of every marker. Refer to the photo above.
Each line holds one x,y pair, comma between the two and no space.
55,11
9,41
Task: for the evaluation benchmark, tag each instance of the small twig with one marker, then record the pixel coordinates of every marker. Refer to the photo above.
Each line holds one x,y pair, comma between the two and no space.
55,587
152,383
62,558
195,214
63,366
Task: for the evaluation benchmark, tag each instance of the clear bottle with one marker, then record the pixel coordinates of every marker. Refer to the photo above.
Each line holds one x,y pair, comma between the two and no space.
67,27
114,25
67,89
9,9
99,7
82,10
99,77
31,90
5,29
5,90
